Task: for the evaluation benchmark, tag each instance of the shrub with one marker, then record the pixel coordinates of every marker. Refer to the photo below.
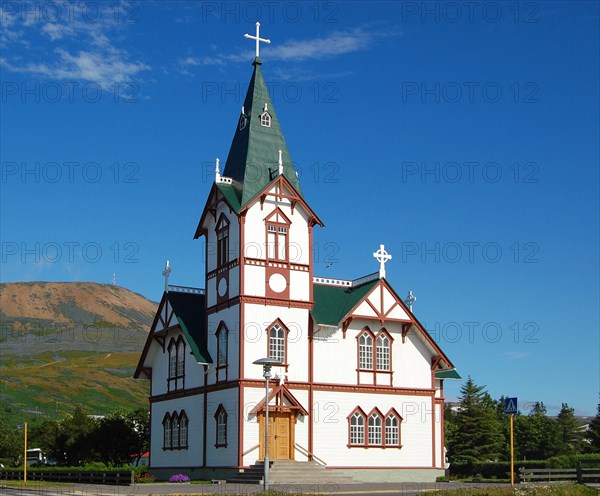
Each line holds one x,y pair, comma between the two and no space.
144,478
179,478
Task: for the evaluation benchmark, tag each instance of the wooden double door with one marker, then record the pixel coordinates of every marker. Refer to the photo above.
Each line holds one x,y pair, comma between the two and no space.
281,435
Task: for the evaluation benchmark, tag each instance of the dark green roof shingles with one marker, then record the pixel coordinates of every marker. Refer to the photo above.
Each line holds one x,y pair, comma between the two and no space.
253,159
190,311
332,303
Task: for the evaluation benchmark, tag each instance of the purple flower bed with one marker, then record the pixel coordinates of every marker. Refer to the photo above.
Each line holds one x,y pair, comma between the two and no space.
179,478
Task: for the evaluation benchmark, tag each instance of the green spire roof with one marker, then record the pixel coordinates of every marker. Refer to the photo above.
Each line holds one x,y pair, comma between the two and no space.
253,160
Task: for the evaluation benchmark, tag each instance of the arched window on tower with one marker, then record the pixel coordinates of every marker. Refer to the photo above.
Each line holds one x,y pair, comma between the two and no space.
277,235
222,231
277,342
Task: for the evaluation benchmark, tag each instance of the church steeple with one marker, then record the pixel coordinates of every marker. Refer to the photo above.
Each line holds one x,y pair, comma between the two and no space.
258,144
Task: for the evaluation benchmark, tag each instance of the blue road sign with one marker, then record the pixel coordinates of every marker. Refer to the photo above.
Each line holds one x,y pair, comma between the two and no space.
510,406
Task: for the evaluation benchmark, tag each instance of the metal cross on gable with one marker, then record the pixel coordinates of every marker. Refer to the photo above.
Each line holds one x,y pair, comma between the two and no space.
257,38
410,300
166,274
382,257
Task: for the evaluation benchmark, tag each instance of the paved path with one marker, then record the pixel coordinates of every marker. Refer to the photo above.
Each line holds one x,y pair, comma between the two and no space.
405,488
376,489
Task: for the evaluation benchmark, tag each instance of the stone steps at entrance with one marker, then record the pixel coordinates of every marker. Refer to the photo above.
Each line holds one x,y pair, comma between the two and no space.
291,472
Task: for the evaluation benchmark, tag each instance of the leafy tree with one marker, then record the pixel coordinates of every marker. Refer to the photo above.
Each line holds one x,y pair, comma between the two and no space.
593,433
537,437
140,422
121,435
45,436
478,436
11,442
569,429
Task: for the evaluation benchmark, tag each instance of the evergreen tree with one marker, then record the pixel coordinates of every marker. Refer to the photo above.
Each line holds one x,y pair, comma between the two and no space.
478,436
73,443
537,436
593,433
570,436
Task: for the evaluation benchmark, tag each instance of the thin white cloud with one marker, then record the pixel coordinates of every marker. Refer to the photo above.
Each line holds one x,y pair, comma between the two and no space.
100,68
95,59
339,43
321,48
516,355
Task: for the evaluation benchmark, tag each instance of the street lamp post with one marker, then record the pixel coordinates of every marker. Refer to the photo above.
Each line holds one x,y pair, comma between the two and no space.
266,363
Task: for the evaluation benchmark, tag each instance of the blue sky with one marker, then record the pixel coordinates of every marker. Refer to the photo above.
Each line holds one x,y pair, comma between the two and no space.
463,136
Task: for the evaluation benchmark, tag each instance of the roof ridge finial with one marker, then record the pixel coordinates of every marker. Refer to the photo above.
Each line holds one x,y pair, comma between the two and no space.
280,163
217,171
258,39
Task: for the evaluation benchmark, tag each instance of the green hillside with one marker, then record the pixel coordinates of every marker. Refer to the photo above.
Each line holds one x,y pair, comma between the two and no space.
70,344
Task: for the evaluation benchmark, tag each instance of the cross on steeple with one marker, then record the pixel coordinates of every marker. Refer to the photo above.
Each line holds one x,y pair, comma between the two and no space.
382,257
257,38
166,273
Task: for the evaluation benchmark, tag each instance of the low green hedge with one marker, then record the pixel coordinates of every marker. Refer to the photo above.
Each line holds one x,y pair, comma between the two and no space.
492,470
501,470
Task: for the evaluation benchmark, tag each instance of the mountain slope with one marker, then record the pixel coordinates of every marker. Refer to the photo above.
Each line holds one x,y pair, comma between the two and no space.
69,344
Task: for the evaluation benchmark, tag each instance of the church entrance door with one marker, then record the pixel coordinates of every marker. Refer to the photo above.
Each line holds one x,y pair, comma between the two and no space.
281,435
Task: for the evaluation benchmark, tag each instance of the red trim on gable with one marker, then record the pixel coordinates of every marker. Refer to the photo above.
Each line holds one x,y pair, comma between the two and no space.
141,363
212,201
280,181
382,318
282,393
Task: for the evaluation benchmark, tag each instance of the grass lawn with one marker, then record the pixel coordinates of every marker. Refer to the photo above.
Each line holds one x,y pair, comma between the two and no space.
524,490
32,484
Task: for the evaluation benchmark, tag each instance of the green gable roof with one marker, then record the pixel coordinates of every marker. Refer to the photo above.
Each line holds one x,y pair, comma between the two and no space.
230,195
332,303
253,159
190,311
447,374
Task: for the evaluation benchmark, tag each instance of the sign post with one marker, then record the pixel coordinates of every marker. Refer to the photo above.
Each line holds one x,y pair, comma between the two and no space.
510,408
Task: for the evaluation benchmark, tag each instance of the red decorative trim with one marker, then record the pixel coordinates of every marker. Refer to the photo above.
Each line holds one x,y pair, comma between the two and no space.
280,182
214,198
280,393
228,266
311,352
432,432
258,300
345,326
147,344
293,385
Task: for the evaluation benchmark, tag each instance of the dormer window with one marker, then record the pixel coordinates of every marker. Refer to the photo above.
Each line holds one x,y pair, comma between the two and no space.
265,117
243,119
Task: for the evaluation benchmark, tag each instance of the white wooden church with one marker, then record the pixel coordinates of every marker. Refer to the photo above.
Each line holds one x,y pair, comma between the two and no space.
360,388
